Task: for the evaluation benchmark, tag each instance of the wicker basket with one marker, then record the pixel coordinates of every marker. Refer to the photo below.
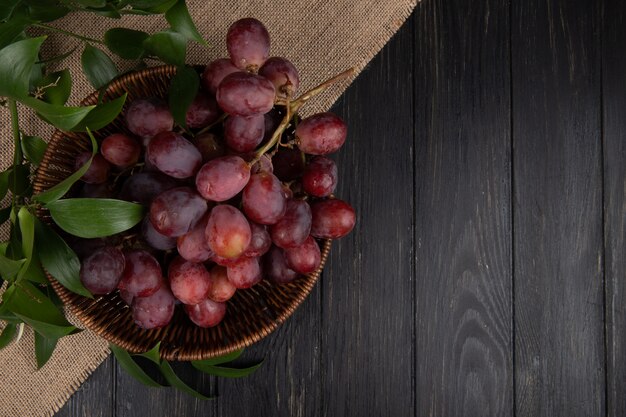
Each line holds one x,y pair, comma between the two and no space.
251,315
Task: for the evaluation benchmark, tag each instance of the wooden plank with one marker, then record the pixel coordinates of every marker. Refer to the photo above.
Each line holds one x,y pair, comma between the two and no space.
558,209
463,219
367,289
614,128
95,397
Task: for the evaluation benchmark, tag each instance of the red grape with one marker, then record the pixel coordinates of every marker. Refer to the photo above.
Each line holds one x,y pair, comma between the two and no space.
174,155
209,146
143,187
215,72
260,241
244,94
154,238
228,232
276,268
101,272
98,171
126,297
248,44
222,178
243,134
264,164
294,227
224,261
207,313
202,112
192,246
147,117
96,191
221,288
174,212
245,273
288,164
263,199
190,282
272,120
320,177
332,219
283,74
142,275
120,150
321,134
305,258
154,311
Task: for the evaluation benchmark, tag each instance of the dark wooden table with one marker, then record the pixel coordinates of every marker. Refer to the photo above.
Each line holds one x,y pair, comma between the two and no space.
486,274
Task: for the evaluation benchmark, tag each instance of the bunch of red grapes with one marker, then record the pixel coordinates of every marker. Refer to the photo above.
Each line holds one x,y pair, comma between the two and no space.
242,194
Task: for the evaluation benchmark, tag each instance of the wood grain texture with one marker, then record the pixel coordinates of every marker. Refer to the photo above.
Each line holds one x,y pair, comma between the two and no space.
95,397
614,128
367,300
463,219
558,209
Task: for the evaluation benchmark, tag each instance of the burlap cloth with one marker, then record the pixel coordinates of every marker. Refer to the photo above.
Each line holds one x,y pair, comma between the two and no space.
321,37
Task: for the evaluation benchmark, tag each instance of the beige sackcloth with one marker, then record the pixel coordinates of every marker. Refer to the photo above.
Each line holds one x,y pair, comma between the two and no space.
322,38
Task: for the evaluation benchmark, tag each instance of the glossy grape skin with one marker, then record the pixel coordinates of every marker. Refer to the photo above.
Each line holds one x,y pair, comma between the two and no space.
101,272
142,274
120,150
209,145
96,191
305,258
98,171
222,289
320,177
228,232
222,178
215,72
221,261
275,267
146,117
332,219
175,212
154,311
321,134
294,227
248,44
283,74
190,282
263,199
245,273
174,155
192,246
289,164
143,187
202,112
244,94
207,313
260,242
154,238
244,134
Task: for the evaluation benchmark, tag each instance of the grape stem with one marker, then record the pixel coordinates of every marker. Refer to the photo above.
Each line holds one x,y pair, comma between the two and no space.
293,107
209,127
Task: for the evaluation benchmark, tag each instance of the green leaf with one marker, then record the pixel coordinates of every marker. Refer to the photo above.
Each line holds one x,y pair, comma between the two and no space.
226,371
102,115
64,186
59,259
97,66
16,62
33,307
152,6
34,272
180,20
9,268
47,12
27,228
130,366
9,31
152,354
4,214
107,11
126,43
61,117
170,46
57,58
7,335
18,179
183,90
176,382
57,87
4,182
6,8
220,360
34,148
43,349
92,3
95,217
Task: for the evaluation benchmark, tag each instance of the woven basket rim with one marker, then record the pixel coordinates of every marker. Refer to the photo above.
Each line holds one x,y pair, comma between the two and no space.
83,308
